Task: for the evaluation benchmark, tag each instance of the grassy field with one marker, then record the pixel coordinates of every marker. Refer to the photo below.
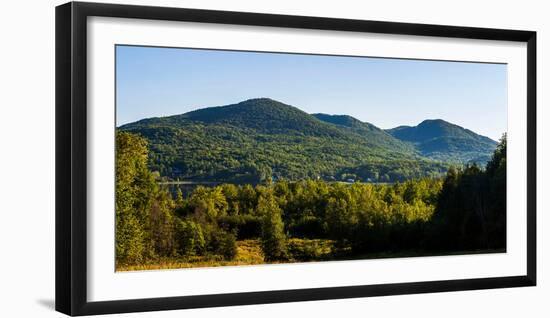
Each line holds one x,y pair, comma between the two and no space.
249,252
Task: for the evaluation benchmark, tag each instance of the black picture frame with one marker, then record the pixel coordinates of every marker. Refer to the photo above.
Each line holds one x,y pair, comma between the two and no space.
71,157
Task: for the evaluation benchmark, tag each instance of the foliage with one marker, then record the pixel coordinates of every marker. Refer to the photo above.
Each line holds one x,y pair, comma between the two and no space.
273,237
148,226
262,140
246,226
190,238
223,243
207,204
305,250
161,220
444,141
471,208
134,190
304,220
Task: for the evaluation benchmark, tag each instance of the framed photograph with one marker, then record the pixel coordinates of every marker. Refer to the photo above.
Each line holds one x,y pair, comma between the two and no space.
212,158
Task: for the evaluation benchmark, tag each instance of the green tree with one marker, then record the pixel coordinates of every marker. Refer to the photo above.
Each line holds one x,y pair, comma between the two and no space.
180,201
248,199
189,238
222,243
471,208
273,237
341,213
162,224
135,188
231,194
207,204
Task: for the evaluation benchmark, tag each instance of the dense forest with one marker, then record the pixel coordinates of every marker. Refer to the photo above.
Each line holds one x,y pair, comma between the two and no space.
307,219
262,140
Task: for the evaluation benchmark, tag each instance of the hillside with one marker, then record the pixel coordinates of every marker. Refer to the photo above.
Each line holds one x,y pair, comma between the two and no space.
261,139
366,130
441,140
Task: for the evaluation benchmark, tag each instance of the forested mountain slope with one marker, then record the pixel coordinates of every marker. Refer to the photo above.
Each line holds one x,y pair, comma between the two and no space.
444,141
263,139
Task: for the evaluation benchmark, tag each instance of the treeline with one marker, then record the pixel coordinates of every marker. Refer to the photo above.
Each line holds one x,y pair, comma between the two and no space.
464,211
471,207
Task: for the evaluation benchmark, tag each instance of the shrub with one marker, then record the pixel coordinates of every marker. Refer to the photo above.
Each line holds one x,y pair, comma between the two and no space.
309,250
223,243
308,226
246,226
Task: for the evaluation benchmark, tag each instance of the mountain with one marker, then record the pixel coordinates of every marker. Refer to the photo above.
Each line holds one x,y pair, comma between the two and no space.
441,140
346,121
263,115
367,130
260,139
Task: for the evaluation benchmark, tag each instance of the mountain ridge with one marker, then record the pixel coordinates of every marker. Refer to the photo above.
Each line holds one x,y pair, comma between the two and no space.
441,140
261,138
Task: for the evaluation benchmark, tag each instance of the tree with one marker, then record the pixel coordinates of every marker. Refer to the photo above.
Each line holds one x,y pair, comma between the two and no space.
273,237
189,238
180,202
471,208
231,194
162,224
496,173
248,199
208,204
222,243
135,188
341,213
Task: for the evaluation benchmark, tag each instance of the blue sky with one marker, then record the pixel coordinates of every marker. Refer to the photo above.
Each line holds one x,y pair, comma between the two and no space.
154,82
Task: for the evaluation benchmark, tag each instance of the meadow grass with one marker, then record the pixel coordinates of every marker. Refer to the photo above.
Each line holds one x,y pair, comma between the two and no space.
249,252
